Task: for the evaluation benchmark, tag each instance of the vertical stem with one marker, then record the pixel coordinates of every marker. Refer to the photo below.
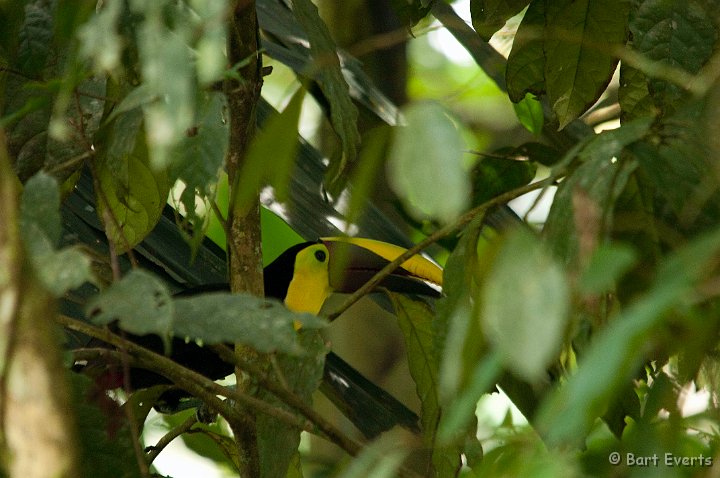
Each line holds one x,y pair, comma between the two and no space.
244,240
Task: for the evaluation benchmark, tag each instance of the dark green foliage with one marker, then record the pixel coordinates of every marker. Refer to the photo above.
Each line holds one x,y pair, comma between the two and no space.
595,325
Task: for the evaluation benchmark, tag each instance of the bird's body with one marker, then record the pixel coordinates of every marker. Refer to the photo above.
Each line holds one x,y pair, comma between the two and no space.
303,277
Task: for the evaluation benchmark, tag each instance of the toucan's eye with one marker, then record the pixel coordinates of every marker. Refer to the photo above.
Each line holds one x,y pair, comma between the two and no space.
320,256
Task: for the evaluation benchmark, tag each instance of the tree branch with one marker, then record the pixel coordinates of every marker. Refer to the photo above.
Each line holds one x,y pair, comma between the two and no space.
463,220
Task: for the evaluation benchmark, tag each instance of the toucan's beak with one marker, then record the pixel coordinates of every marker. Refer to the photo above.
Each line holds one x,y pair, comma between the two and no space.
354,261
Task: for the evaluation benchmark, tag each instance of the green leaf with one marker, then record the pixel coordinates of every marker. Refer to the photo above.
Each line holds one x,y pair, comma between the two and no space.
58,270
381,459
530,113
266,326
426,167
328,74
489,16
495,174
412,11
525,71
211,441
600,179
679,34
607,265
633,95
581,36
141,402
40,208
35,38
132,195
139,302
415,318
539,153
200,156
99,38
528,333
620,350
278,443
278,140
164,54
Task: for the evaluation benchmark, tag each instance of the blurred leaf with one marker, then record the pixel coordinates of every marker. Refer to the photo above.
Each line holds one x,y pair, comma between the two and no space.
600,178
58,270
495,174
200,156
412,11
525,72
530,113
278,443
369,165
608,263
164,54
131,195
139,302
489,16
527,333
460,413
40,208
380,459
416,323
266,326
70,15
620,349
99,38
579,61
679,34
328,74
271,154
454,319
539,153
426,167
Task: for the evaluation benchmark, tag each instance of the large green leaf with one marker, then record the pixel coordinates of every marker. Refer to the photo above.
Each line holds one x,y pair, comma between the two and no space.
426,167
525,306
525,72
278,443
266,326
679,34
415,318
488,16
327,72
140,303
58,270
132,194
579,43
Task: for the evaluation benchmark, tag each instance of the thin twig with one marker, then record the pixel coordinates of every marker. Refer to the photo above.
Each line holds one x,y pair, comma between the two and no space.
166,439
433,238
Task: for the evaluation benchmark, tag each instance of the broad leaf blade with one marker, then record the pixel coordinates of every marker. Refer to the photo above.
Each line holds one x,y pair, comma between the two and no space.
525,306
578,50
426,167
266,326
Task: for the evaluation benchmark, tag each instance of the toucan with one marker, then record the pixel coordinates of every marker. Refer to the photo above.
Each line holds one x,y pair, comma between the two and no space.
303,277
